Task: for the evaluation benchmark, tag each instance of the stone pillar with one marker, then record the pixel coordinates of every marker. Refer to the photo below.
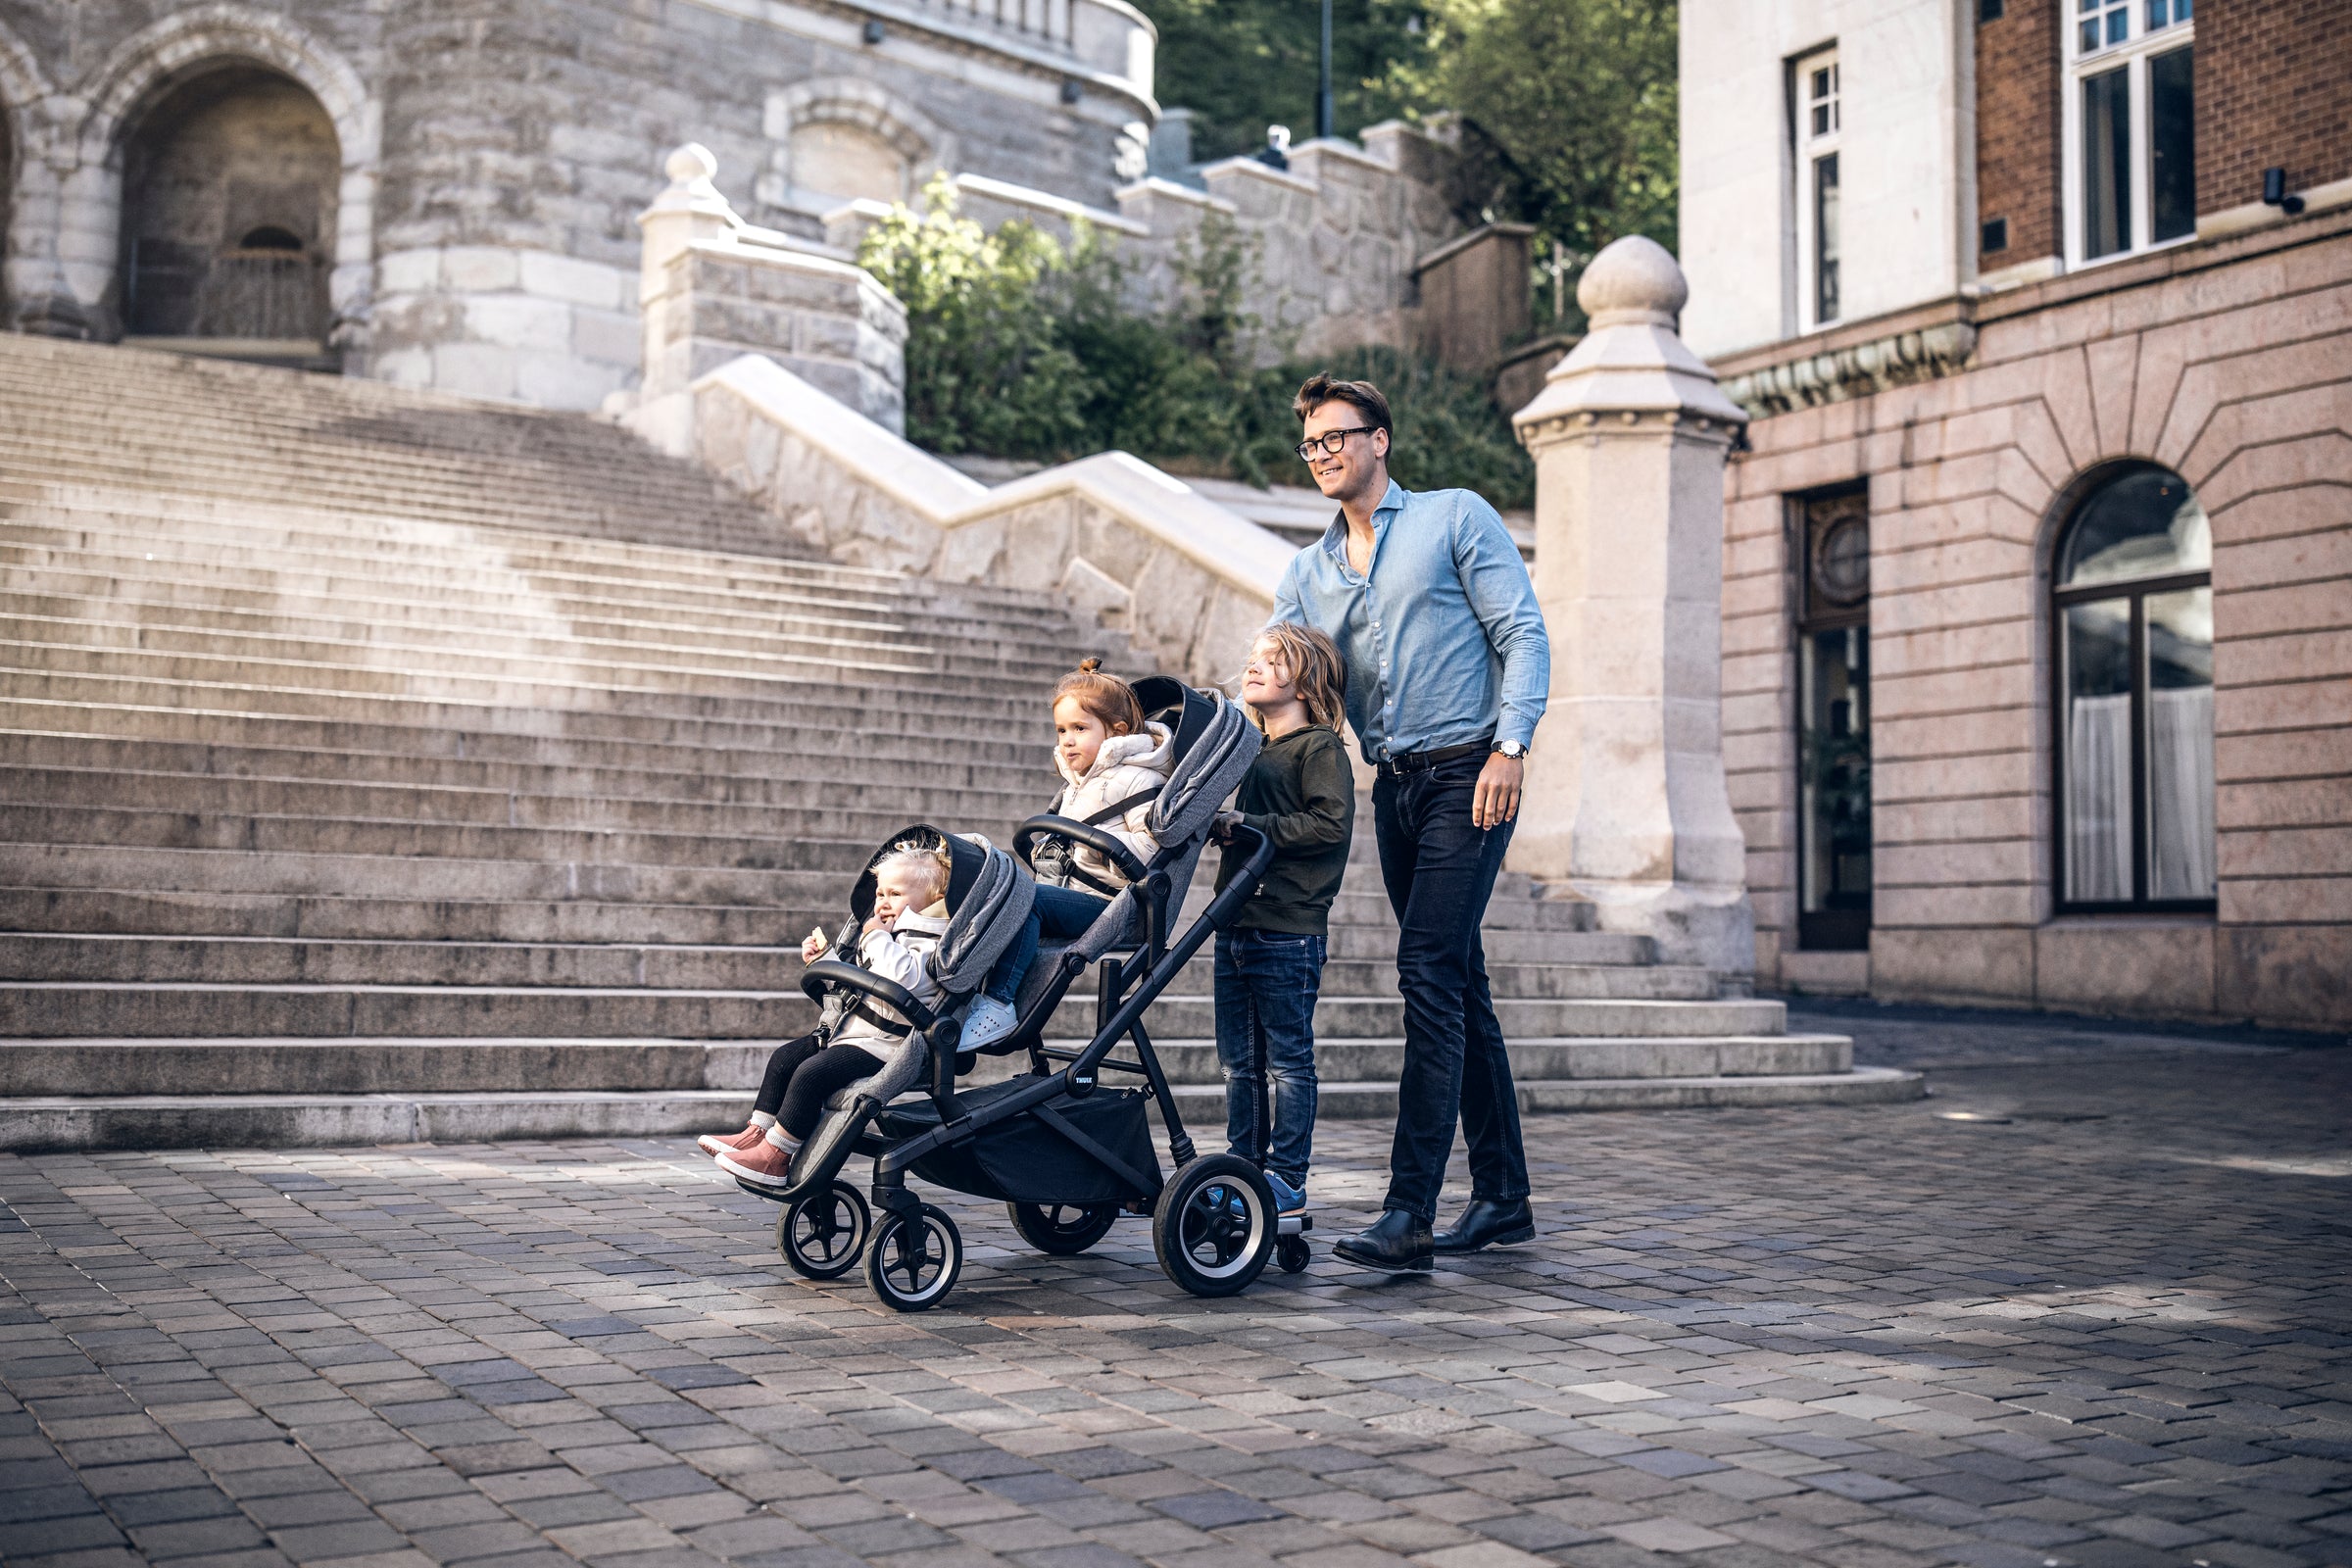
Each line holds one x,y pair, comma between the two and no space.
690,209
1625,798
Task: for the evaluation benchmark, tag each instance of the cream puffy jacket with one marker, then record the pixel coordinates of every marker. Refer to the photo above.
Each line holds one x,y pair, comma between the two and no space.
1127,764
896,955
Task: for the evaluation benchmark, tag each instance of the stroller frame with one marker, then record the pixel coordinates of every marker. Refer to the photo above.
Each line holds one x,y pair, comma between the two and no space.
1219,1202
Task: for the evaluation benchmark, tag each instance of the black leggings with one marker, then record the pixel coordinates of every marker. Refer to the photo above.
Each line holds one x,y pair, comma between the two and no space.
803,1074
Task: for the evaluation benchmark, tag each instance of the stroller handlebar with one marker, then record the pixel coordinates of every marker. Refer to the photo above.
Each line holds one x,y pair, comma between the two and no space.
826,973
1046,826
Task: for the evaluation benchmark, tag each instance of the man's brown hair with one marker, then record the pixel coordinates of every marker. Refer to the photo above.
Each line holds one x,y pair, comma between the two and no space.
1361,396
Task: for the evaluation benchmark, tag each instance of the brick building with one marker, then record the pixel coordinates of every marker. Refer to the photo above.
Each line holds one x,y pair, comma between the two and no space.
2039,598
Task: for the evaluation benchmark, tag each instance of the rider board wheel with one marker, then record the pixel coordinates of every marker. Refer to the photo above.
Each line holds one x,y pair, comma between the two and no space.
914,1260
1062,1229
1215,1226
821,1235
1291,1253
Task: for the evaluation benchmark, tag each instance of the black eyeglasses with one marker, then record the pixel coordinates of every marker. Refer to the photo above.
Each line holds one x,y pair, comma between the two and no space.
1330,441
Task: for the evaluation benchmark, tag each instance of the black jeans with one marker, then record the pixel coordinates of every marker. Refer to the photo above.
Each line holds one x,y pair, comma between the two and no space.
1440,871
803,1074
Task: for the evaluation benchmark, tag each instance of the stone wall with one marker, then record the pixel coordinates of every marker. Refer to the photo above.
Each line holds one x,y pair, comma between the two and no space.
2230,364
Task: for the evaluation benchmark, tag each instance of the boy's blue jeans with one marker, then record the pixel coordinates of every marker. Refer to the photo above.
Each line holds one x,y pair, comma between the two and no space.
1266,984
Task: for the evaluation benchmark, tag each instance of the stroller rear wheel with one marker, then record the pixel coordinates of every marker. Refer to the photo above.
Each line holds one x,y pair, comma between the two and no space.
913,1262
1062,1229
821,1235
1215,1227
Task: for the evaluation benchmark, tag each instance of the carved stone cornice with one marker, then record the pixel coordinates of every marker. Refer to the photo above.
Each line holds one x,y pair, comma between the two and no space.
1854,370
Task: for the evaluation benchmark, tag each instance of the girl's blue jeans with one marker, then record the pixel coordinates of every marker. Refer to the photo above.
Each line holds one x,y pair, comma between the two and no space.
1058,912
1266,986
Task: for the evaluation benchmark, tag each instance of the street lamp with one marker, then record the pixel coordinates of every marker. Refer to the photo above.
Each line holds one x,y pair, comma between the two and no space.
1323,114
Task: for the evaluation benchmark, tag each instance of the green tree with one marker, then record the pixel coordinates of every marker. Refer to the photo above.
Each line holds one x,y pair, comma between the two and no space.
1240,64
1568,112
986,367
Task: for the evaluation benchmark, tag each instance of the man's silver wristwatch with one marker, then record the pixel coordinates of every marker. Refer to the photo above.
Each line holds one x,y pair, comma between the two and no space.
1516,751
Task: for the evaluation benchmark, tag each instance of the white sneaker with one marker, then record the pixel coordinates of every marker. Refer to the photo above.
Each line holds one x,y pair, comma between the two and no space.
985,1022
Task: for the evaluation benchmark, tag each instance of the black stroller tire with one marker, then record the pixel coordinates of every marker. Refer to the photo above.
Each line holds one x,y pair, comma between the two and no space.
1063,1229
1215,1226
913,1262
1292,1253
823,1232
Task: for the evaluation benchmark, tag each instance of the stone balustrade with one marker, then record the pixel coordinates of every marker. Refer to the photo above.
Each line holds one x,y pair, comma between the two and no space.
1183,578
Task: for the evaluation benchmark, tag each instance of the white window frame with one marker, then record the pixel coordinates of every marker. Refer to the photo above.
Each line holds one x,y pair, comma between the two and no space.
2133,55
1810,146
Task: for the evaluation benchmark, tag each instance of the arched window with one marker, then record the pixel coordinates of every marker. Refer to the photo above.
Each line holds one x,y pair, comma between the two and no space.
2133,603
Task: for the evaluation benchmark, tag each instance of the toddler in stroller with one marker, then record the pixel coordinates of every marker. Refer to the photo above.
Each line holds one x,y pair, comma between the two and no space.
1064,1152
851,1043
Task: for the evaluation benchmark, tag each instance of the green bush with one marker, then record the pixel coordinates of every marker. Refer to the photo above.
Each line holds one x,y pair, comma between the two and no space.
1020,347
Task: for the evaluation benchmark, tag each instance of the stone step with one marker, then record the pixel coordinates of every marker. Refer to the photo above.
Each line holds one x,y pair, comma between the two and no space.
361,1064
719,665
667,709
65,1010
790,849
335,623
531,743
97,957
71,1009
202,913
798,806
477,569
445,882
1374,1018
1547,976
372,611
286,1121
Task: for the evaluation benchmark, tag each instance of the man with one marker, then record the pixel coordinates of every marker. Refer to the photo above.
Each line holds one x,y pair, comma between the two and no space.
1448,668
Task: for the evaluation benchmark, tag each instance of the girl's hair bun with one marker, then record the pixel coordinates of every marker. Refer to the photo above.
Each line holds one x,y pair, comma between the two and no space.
1087,666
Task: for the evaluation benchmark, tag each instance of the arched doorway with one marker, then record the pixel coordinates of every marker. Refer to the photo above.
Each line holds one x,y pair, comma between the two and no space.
228,217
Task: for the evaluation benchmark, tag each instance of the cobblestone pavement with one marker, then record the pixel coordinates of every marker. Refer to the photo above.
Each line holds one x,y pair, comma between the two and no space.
2105,1323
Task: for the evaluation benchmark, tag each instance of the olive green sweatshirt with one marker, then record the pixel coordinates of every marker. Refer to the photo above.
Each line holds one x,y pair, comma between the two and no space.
1301,793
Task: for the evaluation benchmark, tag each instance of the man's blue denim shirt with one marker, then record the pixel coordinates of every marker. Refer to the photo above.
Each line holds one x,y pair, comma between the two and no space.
1444,641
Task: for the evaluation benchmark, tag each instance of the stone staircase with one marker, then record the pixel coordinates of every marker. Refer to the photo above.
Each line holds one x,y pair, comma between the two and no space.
378,766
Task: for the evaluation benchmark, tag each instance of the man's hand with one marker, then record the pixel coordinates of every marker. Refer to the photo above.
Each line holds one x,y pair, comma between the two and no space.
1497,799
1221,826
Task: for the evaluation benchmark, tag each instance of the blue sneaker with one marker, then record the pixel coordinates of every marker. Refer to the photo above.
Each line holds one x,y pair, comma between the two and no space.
1288,1200
985,1022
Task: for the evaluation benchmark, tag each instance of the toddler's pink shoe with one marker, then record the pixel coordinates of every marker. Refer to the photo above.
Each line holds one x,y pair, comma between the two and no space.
714,1145
763,1166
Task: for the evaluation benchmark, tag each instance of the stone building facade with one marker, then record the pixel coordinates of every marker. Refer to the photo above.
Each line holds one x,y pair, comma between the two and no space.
446,195
464,209
2038,568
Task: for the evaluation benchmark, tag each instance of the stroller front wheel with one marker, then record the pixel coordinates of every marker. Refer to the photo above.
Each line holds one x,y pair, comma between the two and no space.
913,1262
821,1235
1063,1229
1215,1227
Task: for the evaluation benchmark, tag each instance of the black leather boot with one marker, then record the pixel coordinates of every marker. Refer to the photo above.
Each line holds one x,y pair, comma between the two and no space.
1397,1244
1485,1223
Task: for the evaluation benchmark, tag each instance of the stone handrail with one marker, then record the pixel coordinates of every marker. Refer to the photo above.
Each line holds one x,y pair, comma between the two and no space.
1186,580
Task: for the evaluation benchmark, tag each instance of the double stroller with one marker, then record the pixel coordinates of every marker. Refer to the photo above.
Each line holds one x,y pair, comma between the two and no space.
1065,1152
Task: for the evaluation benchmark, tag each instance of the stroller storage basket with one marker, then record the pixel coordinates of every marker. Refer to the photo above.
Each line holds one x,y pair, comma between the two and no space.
1031,1158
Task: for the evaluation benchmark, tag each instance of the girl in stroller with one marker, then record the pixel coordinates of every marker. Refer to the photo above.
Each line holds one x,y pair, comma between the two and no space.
1113,764
854,1043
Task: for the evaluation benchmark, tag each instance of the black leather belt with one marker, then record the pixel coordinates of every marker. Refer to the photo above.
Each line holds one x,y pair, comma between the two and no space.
1423,761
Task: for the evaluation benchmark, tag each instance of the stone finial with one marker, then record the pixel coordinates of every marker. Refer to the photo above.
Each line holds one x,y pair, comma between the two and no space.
1633,280
691,165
